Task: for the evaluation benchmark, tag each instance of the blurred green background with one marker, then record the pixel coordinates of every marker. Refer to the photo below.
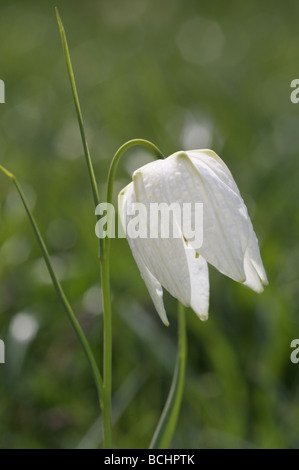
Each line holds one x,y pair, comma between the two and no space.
183,74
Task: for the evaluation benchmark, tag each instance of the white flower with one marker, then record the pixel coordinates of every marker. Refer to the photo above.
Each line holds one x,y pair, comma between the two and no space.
229,242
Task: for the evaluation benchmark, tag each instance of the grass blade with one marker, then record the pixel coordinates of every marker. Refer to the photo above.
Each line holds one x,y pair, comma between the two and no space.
75,324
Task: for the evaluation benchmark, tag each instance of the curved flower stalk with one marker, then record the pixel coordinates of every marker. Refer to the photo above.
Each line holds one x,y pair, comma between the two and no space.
177,263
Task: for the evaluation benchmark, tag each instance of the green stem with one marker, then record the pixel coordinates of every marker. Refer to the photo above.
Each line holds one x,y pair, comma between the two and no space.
79,115
106,395
104,245
79,332
105,268
107,373
167,423
112,170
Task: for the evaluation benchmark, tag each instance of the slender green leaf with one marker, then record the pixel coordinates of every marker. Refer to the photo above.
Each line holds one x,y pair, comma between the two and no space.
75,324
78,109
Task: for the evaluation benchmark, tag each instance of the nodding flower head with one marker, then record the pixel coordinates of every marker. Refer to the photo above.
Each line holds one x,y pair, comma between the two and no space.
177,263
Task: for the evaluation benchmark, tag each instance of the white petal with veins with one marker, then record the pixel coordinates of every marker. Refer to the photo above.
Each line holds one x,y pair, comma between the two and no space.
229,241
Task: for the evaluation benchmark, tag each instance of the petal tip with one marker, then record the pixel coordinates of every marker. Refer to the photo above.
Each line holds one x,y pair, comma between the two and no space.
181,154
137,173
203,316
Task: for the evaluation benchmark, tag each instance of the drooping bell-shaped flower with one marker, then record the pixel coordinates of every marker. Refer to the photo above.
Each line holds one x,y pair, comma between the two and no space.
178,263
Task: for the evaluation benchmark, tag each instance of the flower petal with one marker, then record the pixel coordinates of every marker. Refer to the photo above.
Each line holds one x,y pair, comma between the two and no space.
164,257
216,164
153,285
175,262
179,269
255,272
253,265
199,280
225,220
